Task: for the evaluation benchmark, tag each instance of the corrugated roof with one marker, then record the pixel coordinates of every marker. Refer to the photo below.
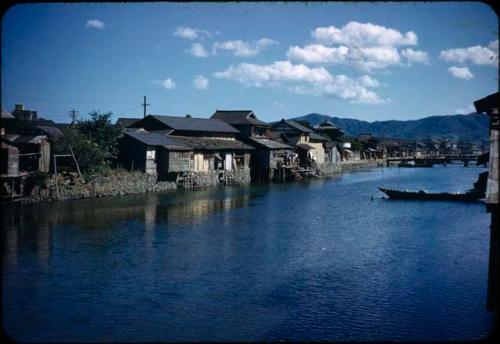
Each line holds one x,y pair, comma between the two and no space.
239,117
155,139
271,144
196,124
209,143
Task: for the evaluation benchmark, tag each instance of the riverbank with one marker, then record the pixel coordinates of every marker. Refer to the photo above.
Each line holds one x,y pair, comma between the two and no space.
120,182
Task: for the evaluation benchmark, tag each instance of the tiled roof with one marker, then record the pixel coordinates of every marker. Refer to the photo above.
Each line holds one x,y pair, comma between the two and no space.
200,143
154,139
238,117
195,124
271,144
304,146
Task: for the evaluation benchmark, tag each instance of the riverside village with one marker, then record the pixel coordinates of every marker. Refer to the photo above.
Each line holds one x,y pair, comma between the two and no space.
250,172
43,160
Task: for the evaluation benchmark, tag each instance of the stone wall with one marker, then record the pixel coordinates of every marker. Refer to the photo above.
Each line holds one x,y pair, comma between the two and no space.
113,184
328,169
356,164
196,180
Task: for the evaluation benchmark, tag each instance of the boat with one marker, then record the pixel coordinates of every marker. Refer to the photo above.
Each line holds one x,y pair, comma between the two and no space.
468,196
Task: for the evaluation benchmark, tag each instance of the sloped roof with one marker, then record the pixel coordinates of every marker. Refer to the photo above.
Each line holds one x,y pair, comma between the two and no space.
209,143
314,136
304,146
326,124
125,122
239,117
297,126
155,139
195,124
6,114
50,131
28,139
270,144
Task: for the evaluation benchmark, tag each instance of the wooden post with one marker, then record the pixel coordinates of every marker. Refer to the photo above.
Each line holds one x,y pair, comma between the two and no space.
55,172
76,162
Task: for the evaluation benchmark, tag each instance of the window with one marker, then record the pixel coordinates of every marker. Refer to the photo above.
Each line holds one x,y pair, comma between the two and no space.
150,154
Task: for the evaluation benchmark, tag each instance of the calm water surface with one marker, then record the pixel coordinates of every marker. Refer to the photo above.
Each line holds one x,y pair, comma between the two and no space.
304,261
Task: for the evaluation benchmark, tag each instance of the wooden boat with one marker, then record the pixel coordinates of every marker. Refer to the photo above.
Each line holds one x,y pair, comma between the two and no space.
469,196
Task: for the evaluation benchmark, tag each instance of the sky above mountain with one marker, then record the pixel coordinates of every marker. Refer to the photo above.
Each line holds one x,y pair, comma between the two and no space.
370,61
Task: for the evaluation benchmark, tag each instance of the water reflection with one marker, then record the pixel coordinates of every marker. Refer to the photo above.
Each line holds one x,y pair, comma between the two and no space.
30,227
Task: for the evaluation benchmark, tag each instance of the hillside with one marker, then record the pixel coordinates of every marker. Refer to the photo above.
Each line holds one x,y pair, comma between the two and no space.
472,126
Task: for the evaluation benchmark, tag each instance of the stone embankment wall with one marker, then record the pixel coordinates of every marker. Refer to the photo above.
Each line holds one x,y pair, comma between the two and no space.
196,180
113,184
356,164
328,170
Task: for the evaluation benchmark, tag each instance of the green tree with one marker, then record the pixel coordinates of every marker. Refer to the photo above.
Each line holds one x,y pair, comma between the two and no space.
89,155
100,131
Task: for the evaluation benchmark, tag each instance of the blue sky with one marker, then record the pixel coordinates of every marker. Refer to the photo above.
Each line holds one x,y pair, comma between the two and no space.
370,61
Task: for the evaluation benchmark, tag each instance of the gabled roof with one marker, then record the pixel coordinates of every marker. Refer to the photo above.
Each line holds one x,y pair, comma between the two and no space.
239,117
125,122
314,136
200,143
195,124
296,125
155,139
326,124
270,144
29,139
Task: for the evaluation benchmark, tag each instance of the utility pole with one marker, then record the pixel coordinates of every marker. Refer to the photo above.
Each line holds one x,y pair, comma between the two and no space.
144,104
73,114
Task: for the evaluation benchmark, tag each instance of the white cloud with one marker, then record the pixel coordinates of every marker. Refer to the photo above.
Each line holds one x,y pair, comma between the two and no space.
364,46
461,73
468,109
317,53
477,55
301,79
368,81
198,50
167,83
200,82
190,33
95,24
416,56
355,34
242,48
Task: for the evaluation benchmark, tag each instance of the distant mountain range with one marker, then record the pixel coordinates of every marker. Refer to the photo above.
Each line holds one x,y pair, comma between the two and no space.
473,126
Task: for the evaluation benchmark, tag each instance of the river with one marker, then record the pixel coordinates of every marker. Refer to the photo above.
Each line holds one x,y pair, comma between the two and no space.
318,260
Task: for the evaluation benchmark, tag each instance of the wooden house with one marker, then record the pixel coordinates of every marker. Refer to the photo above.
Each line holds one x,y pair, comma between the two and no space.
270,160
212,142
308,145
9,159
329,130
245,121
152,153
